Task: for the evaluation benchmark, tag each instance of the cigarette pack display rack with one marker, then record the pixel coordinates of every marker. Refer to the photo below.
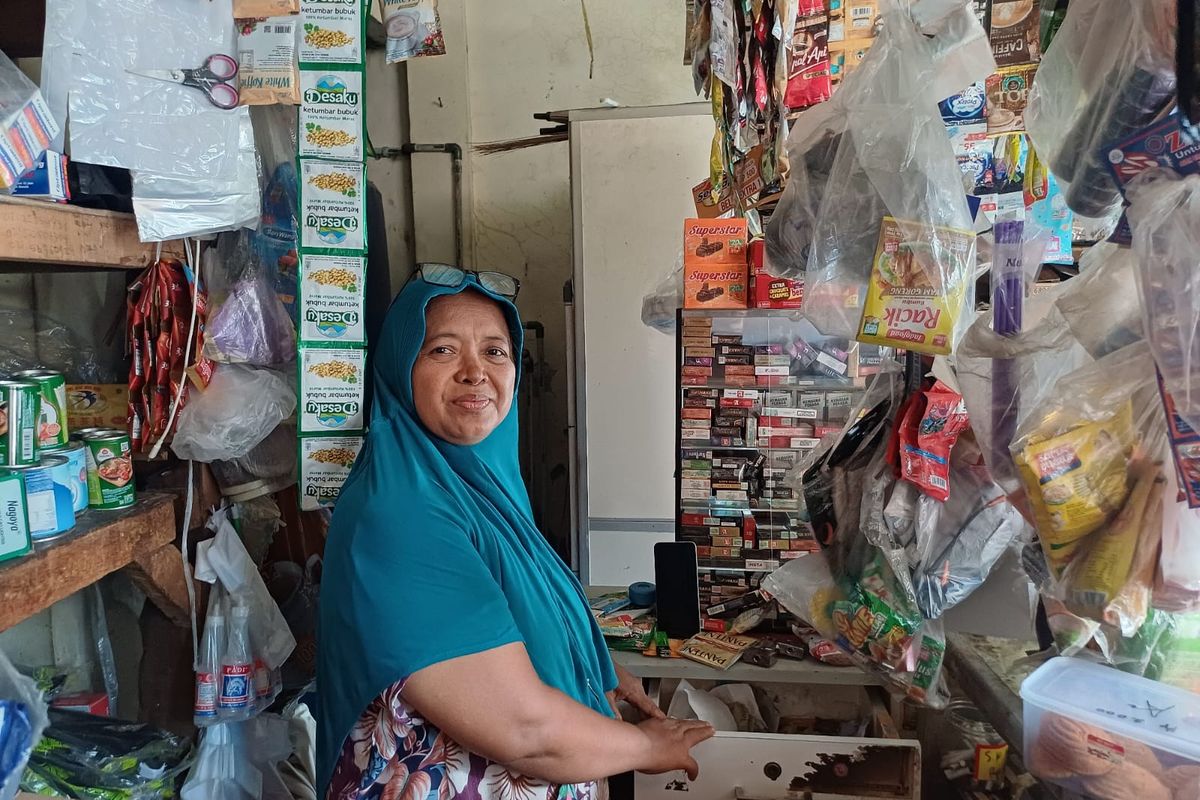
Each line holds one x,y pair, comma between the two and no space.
757,392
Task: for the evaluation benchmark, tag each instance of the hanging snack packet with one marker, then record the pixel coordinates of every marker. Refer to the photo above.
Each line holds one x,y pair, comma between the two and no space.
918,284
808,75
267,68
1077,481
925,446
257,9
414,29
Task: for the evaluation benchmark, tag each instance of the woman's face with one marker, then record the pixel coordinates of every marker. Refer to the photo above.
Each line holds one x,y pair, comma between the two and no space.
463,378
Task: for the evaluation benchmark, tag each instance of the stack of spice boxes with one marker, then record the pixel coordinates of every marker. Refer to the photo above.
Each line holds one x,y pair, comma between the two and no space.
331,138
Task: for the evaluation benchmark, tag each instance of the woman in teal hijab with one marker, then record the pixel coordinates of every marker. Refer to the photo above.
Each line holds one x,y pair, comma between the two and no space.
457,655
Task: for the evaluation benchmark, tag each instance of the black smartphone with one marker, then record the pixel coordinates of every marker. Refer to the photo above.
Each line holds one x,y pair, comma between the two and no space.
677,587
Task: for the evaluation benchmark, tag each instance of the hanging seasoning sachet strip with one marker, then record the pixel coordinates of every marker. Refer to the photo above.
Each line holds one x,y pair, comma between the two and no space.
331,147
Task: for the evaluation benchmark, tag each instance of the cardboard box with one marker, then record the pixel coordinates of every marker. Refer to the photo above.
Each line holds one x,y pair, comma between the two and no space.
98,405
767,291
87,702
715,272
46,181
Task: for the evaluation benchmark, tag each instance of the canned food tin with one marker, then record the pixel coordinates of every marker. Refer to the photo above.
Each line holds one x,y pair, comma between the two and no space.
77,435
110,469
52,420
47,498
77,465
14,516
19,407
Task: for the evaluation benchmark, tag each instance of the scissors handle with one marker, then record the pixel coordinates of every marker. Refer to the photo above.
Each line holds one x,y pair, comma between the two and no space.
213,78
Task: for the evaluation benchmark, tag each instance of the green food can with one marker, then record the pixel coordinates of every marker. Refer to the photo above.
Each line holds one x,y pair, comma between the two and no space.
109,469
52,420
78,434
19,408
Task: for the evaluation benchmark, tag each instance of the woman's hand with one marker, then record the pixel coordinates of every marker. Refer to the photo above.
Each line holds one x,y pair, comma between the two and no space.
629,689
669,745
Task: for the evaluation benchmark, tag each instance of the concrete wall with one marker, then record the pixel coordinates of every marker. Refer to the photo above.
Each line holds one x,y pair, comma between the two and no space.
505,63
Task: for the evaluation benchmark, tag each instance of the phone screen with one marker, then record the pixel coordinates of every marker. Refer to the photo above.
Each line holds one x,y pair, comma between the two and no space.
677,588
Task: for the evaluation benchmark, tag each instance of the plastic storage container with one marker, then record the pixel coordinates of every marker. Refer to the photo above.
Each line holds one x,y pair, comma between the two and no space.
1110,735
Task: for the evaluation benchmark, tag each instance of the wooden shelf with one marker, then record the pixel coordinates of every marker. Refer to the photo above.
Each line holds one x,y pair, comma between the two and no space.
140,537
34,232
811,673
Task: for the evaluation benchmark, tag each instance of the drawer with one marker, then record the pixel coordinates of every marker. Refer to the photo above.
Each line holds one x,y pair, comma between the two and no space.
773,766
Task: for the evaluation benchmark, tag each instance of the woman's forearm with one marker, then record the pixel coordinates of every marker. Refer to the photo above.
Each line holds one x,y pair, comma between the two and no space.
569,743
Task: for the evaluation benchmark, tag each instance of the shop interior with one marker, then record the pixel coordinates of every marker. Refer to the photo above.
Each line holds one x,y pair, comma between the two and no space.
832,436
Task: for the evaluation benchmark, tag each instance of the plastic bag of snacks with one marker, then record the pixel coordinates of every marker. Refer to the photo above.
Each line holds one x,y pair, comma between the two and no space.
879,149
1109,73
1165,215
1090,459
268,72
246,9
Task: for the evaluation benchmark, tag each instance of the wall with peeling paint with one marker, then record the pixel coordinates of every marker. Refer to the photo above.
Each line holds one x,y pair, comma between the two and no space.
512,60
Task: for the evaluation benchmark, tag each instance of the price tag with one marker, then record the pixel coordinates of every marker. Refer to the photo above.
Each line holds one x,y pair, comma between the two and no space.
989,761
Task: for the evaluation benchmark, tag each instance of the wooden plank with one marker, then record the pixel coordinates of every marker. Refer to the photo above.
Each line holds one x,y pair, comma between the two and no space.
35,232
159,574
101,542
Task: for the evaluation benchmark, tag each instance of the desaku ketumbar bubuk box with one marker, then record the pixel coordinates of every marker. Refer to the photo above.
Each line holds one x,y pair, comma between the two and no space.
715,271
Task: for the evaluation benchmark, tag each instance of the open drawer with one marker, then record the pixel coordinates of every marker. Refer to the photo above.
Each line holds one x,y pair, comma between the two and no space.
782,766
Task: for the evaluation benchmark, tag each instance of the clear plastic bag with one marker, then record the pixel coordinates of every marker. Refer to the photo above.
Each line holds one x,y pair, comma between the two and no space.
1090,458
22,721
250,325
1165,215
33,340
1109,72
879,148
1178,584
660,304
24,118
240,407
960,541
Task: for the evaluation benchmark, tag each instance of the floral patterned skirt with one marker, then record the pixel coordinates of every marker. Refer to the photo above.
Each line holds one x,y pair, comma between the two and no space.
393,754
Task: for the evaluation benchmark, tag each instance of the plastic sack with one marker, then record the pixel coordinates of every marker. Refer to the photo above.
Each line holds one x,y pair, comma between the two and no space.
82,755
1178,585
878,148
1165,215
22,721
250,326
241,406
1109,73
660,304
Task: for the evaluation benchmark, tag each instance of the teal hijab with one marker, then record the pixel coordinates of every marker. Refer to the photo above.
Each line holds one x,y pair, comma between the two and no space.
433,553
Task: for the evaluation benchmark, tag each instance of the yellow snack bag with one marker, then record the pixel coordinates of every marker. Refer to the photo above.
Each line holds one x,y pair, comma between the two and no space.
1102,570
1077,480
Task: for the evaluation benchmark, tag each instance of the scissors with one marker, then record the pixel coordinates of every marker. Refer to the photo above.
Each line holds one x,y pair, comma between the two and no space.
213,77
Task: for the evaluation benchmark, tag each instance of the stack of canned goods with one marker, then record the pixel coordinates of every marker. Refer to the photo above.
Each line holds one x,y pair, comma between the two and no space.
48,473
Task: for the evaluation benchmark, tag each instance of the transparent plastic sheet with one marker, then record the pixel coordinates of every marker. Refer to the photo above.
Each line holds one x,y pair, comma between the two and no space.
275,238
33,340
104,649
240,408
22,721
169,206
89,756
125,120
237,761
23,119
878,148
660,303
1165,215
250,324
1091,460
1109,72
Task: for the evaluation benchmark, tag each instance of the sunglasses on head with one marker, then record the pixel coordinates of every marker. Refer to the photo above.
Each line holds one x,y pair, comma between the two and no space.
452,277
